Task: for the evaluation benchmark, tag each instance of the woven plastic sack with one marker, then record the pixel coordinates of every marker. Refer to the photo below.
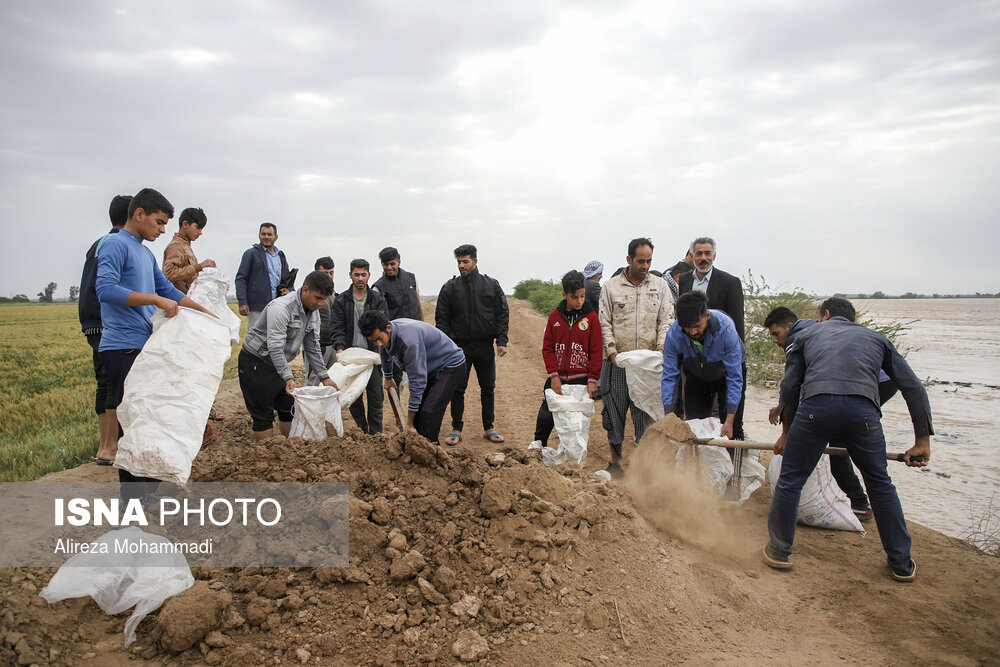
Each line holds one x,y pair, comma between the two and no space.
822,504
209,289
715,462
314,407
643,374
119,581
352,372
169,393
571,414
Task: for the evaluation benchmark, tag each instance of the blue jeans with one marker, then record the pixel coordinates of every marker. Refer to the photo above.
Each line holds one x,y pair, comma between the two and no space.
855,421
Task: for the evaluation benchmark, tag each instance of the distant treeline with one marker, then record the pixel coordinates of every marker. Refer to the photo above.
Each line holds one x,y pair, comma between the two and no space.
910,295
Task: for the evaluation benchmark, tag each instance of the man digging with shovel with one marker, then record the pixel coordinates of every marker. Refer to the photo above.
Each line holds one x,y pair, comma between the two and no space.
830,393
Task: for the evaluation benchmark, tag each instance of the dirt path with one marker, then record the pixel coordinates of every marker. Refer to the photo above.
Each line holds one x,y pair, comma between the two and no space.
576,572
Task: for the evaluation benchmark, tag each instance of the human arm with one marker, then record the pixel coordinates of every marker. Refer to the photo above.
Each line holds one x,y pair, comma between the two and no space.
310,346
501,316
670,378
921,447
607,331
594,354
442,312
338,321
549,348
277,335
664,318
734,305
420,305
414,358
910,387
242,276
282,291
791,381
733,361
176,267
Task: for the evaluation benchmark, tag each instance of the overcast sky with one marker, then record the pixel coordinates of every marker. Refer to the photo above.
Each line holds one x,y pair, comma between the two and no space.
844,146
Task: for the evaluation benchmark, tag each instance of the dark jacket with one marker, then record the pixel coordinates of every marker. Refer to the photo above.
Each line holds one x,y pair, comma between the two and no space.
593,292
325,331
473,309
400,292
89,306
843,358
573,350
725,293
253,287
342,317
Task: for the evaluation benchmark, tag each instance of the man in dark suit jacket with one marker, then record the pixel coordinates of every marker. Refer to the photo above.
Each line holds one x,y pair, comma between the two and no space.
725,293
724,290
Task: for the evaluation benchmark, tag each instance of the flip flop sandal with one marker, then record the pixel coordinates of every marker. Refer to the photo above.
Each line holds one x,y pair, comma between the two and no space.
216,416
453,439
494,437
774,562
103,462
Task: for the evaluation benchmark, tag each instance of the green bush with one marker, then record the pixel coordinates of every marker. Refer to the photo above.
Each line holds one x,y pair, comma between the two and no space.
765,361
544,295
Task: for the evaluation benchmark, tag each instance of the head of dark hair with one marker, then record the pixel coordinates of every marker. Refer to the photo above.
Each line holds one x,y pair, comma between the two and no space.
150,201
319,282
371,320
573,281
838,306
268,224
780,315
691,307
680,268
324,263
466,250
360,264
193,215
118,210
635,244
388,254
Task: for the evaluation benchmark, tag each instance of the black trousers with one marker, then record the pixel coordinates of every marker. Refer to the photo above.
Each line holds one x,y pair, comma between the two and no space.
439,391
374,394
100,374
699,397
482,356
543,422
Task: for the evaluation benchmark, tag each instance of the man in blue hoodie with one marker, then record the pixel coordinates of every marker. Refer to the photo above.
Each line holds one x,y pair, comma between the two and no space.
434,363
261,270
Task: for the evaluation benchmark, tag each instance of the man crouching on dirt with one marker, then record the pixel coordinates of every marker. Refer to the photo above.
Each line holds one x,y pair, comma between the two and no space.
830,393
286,325
434,363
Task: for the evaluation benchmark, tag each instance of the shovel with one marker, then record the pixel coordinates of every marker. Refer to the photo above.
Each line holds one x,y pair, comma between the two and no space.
748,444
397,409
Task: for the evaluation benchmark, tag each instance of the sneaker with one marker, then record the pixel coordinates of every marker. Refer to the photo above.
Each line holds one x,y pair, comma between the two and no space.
864,514
774,561
905,576
615,470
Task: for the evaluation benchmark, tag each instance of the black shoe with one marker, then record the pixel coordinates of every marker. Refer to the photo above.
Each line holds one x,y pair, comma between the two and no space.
615,470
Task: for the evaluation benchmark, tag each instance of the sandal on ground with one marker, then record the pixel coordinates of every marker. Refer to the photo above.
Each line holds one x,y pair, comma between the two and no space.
103,462
453,439
216,416
776,562
905,577
494,437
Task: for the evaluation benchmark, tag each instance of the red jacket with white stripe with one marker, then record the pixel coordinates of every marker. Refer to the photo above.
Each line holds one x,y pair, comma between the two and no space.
573,346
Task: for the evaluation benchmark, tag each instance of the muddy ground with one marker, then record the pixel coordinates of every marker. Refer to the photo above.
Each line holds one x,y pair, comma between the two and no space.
456,557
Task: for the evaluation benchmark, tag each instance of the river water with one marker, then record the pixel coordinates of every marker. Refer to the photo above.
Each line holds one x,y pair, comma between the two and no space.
956,344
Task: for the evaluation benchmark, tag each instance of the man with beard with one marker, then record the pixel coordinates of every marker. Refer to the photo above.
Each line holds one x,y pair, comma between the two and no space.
635,313
472,311
261,271
724,291
704,345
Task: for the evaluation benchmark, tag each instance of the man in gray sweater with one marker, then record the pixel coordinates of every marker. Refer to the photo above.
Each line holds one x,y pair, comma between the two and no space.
286,325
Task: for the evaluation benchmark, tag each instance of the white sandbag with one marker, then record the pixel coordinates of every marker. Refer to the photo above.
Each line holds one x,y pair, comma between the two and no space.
352,372
119,581
314,407
209,289
169,393
715,462
643,374
571,414
822,504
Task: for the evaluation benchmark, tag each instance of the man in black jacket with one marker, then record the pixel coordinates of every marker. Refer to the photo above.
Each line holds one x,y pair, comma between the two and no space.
472,311
399,287
90,322
344,315
724,291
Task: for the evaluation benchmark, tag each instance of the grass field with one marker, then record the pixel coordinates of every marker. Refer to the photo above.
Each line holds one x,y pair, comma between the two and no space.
47,419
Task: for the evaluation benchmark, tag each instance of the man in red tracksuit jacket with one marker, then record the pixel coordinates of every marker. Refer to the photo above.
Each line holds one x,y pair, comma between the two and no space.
572,349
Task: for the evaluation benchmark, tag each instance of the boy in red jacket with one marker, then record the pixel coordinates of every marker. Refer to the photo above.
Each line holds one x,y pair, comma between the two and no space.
572,349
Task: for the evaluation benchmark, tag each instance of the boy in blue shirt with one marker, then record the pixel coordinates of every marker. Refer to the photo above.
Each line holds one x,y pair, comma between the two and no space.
130,287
